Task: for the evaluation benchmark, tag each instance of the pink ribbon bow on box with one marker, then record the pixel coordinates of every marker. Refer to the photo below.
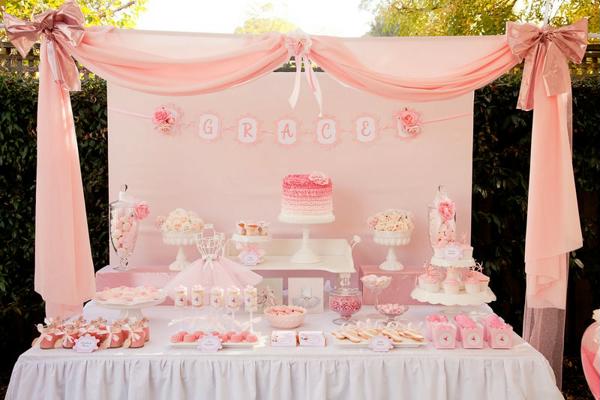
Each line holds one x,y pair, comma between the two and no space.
298,44
547,48
59,29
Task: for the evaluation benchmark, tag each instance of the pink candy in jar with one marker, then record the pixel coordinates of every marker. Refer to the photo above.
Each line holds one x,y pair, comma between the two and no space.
346,302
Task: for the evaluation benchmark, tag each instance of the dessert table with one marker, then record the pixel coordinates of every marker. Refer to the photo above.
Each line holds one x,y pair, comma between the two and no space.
158,371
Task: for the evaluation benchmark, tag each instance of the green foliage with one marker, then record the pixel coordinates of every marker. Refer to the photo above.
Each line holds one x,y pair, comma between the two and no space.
97,12
500,181
262,18
469,17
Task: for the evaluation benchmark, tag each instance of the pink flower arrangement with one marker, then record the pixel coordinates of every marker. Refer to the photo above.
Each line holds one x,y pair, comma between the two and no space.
446,208
319,178
165,119
142,210
409,121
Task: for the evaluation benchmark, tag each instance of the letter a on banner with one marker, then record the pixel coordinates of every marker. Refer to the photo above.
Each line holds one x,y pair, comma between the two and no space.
365,129
247,130
286,131
208,127
326,132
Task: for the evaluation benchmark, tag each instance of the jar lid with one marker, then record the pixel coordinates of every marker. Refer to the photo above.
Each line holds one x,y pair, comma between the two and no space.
346,291
124,200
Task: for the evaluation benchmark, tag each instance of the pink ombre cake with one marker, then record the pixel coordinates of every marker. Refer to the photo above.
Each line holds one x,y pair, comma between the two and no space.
306,196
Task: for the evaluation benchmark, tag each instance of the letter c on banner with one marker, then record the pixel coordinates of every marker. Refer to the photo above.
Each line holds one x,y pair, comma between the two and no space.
286,131
208,126
247,130
365,129
326,131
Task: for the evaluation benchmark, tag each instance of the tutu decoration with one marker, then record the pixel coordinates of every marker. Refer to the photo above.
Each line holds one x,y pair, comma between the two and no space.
212,268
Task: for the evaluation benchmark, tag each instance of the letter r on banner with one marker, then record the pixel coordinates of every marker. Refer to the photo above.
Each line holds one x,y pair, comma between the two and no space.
365,129
247,130
326,132
286,131
208,126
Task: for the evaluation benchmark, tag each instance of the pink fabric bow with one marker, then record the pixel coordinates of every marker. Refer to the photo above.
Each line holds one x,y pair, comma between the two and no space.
59,29
546,48
298,44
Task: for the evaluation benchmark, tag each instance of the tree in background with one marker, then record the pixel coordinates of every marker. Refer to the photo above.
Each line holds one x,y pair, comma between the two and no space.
262,19
470,17
97,12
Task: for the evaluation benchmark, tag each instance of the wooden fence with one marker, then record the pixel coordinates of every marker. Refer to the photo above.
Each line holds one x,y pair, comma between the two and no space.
12,62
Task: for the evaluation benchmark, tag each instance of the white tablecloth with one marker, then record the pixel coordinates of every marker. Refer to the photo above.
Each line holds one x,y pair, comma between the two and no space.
157,371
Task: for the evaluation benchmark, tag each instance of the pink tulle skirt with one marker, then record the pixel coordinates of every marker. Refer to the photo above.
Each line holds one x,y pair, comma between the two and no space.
222,273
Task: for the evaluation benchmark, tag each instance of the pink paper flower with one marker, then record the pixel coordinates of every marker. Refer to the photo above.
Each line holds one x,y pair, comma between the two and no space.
319,178
165,119
161,115
413,130
446,208
409,117
142,210
409,121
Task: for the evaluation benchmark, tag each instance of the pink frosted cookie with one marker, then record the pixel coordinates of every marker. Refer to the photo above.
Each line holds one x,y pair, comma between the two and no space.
236,338
190,338
251,338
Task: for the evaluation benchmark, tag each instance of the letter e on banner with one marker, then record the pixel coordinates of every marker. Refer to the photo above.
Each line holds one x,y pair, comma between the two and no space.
247,130
286,131
208,127
365,129
326,133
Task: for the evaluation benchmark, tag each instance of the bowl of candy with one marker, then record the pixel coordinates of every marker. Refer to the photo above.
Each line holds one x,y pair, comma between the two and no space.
391,310
285,317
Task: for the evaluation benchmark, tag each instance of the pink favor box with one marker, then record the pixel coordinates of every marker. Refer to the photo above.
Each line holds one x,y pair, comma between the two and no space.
430,320
501,338
472,337
443,335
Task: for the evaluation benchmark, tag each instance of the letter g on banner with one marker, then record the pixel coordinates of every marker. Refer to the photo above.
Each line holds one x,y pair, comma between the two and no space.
208,126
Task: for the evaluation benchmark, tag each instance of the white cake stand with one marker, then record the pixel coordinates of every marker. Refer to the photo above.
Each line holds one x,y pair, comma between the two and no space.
455,303
179,239
391,239
305,255
130,310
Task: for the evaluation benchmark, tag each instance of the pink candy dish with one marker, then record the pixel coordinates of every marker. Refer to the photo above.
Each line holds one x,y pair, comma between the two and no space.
285,317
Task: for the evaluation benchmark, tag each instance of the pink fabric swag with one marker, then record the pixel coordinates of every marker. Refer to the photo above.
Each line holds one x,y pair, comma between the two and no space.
64,271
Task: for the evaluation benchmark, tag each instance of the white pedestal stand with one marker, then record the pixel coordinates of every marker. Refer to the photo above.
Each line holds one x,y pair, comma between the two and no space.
133,311
391,239
305,255
180,240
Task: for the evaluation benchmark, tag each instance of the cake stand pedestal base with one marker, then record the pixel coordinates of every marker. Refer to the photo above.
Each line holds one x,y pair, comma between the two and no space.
305,255
180,262
391,262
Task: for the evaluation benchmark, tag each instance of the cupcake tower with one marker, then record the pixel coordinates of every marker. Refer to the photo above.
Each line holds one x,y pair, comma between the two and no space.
452,277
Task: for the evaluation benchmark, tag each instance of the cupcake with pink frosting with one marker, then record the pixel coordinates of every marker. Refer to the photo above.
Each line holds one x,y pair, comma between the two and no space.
429,282
472,285
451,286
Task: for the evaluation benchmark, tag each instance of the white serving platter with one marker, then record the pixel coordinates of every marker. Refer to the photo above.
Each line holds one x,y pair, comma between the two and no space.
460,299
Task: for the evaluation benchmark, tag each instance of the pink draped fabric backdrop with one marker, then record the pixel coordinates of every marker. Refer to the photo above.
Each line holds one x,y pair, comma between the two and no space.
64,271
